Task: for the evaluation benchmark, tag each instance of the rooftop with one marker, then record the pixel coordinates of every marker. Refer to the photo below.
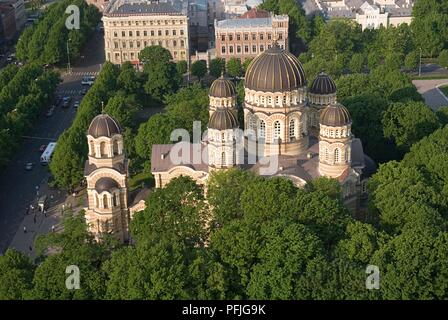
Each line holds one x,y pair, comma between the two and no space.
141,7
248,23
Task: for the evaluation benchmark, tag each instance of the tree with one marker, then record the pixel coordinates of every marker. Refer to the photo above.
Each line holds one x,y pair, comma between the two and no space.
246,64
182,67
152,55
357,63
406,123
176,213
412,60
443,58
128,79
216,67
162,80
199,69
16,275
122,108
234,67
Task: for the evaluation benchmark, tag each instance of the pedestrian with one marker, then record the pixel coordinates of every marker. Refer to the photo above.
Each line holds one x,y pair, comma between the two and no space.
24,229
31,248
52,228
45,213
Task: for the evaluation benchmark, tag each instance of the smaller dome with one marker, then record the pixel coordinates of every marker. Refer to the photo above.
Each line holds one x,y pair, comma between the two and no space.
103,125
335,115
323,84
222,88
105,184
223,119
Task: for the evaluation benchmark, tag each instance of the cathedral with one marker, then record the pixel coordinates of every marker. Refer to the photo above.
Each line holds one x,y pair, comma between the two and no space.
306,131
300,133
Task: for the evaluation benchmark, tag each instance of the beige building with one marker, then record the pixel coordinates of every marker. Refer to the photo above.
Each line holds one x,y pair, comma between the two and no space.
110,207
247,37
300,134
131,25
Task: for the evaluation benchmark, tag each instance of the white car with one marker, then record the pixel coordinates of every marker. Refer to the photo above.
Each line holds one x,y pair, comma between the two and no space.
88,80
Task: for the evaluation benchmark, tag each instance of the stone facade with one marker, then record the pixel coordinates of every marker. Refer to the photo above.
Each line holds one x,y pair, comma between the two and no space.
132,25
246,38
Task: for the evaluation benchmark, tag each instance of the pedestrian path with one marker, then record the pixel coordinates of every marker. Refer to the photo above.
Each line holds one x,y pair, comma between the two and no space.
70,92
85,73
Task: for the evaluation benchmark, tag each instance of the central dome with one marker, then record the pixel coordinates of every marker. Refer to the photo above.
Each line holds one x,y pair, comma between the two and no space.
275,70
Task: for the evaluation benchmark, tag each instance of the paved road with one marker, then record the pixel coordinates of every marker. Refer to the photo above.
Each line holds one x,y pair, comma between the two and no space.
17,186
433,96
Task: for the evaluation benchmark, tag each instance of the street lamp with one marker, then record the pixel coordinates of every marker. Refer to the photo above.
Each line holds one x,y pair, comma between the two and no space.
68,57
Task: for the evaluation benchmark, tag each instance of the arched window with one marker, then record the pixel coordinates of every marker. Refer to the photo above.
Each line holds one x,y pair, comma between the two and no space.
92,148
326,154
115,201
223,136
223,159
262,129
337,155
116,147
97,201
277,130
103,149
292,129
105,204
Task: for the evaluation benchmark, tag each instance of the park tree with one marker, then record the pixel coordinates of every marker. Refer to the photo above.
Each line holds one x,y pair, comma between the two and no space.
246,64
357,63
16,275
412,60
128,80
152,55
22,43
123,108
216,67
443,58
407,123
199,69
234,68
182,67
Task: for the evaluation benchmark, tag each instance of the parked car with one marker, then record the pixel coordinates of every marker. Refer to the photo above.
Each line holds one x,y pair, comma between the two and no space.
29,166
76,104
42,148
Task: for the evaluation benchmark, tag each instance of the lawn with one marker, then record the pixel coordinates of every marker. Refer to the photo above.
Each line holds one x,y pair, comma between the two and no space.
444,89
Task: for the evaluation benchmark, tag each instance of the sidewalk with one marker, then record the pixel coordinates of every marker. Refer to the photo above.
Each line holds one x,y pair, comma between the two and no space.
38,223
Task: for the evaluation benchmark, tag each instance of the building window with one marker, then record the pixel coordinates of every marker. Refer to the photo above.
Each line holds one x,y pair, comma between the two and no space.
116,45
231,49
174,43
223,50
254,36
230,37
138,44
115,202
115,34
261,48
246,49
262,129
238,49
137,33
105,204
123,44
130,33
145,33
277,130
131,44
167,32
254,48
152,33
174,32
238,37
269,36
223,159
246,37
182,43
123,34
181,32
337,156
292,130
159,32
280,36
326,154
261,36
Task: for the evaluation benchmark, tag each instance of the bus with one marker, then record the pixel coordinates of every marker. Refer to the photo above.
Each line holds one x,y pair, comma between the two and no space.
45,158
